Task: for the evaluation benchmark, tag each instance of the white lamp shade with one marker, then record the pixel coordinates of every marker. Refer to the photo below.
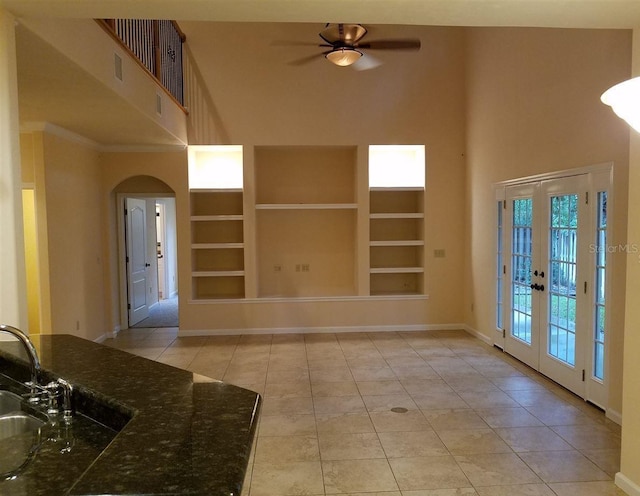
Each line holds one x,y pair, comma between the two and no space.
624,99
343,56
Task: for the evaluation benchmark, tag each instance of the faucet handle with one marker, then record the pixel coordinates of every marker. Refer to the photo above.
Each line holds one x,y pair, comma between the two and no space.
36,393
67,399
53,391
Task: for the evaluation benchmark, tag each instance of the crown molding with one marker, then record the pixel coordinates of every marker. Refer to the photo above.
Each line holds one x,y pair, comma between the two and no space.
60,132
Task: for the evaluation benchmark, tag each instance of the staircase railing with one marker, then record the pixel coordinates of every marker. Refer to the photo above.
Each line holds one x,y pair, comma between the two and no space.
156,45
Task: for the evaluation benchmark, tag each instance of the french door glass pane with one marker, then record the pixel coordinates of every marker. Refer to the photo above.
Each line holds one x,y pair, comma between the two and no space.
601,263
563,231
521,269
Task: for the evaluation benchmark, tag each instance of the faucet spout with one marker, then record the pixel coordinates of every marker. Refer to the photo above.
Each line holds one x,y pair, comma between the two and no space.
31,352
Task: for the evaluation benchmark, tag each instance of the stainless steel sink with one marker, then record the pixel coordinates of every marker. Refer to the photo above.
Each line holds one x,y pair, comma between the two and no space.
18,423
13,420
9,402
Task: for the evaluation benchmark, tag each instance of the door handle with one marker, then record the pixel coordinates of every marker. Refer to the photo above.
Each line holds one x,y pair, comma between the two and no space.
147,265
538,287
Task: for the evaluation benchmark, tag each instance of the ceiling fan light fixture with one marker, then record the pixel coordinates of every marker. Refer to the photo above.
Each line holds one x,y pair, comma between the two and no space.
343,57
624,99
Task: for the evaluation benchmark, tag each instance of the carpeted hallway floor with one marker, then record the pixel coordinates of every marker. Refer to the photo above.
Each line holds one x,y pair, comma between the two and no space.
164,314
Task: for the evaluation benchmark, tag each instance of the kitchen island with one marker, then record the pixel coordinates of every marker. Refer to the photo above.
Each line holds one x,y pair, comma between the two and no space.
173,432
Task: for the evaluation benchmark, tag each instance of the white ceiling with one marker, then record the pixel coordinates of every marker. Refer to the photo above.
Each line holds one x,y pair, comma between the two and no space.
84,107
542,13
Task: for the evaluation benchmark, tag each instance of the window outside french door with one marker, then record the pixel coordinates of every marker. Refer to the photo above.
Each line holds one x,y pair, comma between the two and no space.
551,279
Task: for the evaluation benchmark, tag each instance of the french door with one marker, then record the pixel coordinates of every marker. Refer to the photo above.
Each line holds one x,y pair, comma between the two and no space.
552,281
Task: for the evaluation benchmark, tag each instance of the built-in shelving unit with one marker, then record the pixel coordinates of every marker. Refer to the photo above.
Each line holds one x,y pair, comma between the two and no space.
396,241
217,222
305,220
396,220
217,245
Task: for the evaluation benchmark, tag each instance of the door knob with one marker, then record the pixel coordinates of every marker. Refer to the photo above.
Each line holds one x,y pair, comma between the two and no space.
542,274
541,287
147,265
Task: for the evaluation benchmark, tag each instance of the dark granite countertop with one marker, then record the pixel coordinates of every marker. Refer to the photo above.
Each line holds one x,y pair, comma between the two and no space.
173,432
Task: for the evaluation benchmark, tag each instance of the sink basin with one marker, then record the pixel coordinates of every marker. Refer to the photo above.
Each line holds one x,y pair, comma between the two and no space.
9,402
18,423
13,420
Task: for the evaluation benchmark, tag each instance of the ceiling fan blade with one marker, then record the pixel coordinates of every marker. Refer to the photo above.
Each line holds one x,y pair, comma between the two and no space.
366,63
404,44
308,58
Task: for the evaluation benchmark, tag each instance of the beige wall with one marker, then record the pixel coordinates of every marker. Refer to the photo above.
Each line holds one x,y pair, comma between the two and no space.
129,173
257,98
629,475
69,210
534,107
13,302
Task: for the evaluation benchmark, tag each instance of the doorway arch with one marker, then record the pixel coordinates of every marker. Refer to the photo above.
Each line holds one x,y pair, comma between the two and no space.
150,191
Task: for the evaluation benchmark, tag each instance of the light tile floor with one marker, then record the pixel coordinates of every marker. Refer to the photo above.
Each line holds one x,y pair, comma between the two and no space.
477,422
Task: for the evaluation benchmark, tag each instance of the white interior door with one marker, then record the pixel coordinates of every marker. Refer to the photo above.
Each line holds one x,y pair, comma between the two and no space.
137,265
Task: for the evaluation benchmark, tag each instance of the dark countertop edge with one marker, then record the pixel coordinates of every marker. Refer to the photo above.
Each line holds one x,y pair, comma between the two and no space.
133,418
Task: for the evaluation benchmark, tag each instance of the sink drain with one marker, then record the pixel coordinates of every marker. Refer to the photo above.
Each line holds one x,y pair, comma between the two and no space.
399,409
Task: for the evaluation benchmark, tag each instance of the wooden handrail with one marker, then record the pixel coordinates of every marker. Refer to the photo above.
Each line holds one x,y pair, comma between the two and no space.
144,40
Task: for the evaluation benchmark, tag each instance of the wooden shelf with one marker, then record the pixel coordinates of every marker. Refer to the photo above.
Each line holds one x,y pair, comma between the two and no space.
306,206
218,273
216,190
408,242
405,215
396,270
216,246
412,188
202,218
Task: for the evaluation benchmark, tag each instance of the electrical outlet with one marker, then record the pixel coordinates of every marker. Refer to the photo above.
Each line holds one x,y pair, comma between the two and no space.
297,267
439,253
277,268
305,267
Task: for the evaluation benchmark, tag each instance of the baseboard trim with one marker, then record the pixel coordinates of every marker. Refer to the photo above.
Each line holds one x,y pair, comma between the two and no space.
108,335
319,330
477,334
627,485
614,416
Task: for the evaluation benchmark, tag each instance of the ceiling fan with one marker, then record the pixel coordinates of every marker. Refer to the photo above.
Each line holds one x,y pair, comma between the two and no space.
345,45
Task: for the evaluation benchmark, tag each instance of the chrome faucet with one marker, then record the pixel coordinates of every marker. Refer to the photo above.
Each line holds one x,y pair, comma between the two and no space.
33,357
